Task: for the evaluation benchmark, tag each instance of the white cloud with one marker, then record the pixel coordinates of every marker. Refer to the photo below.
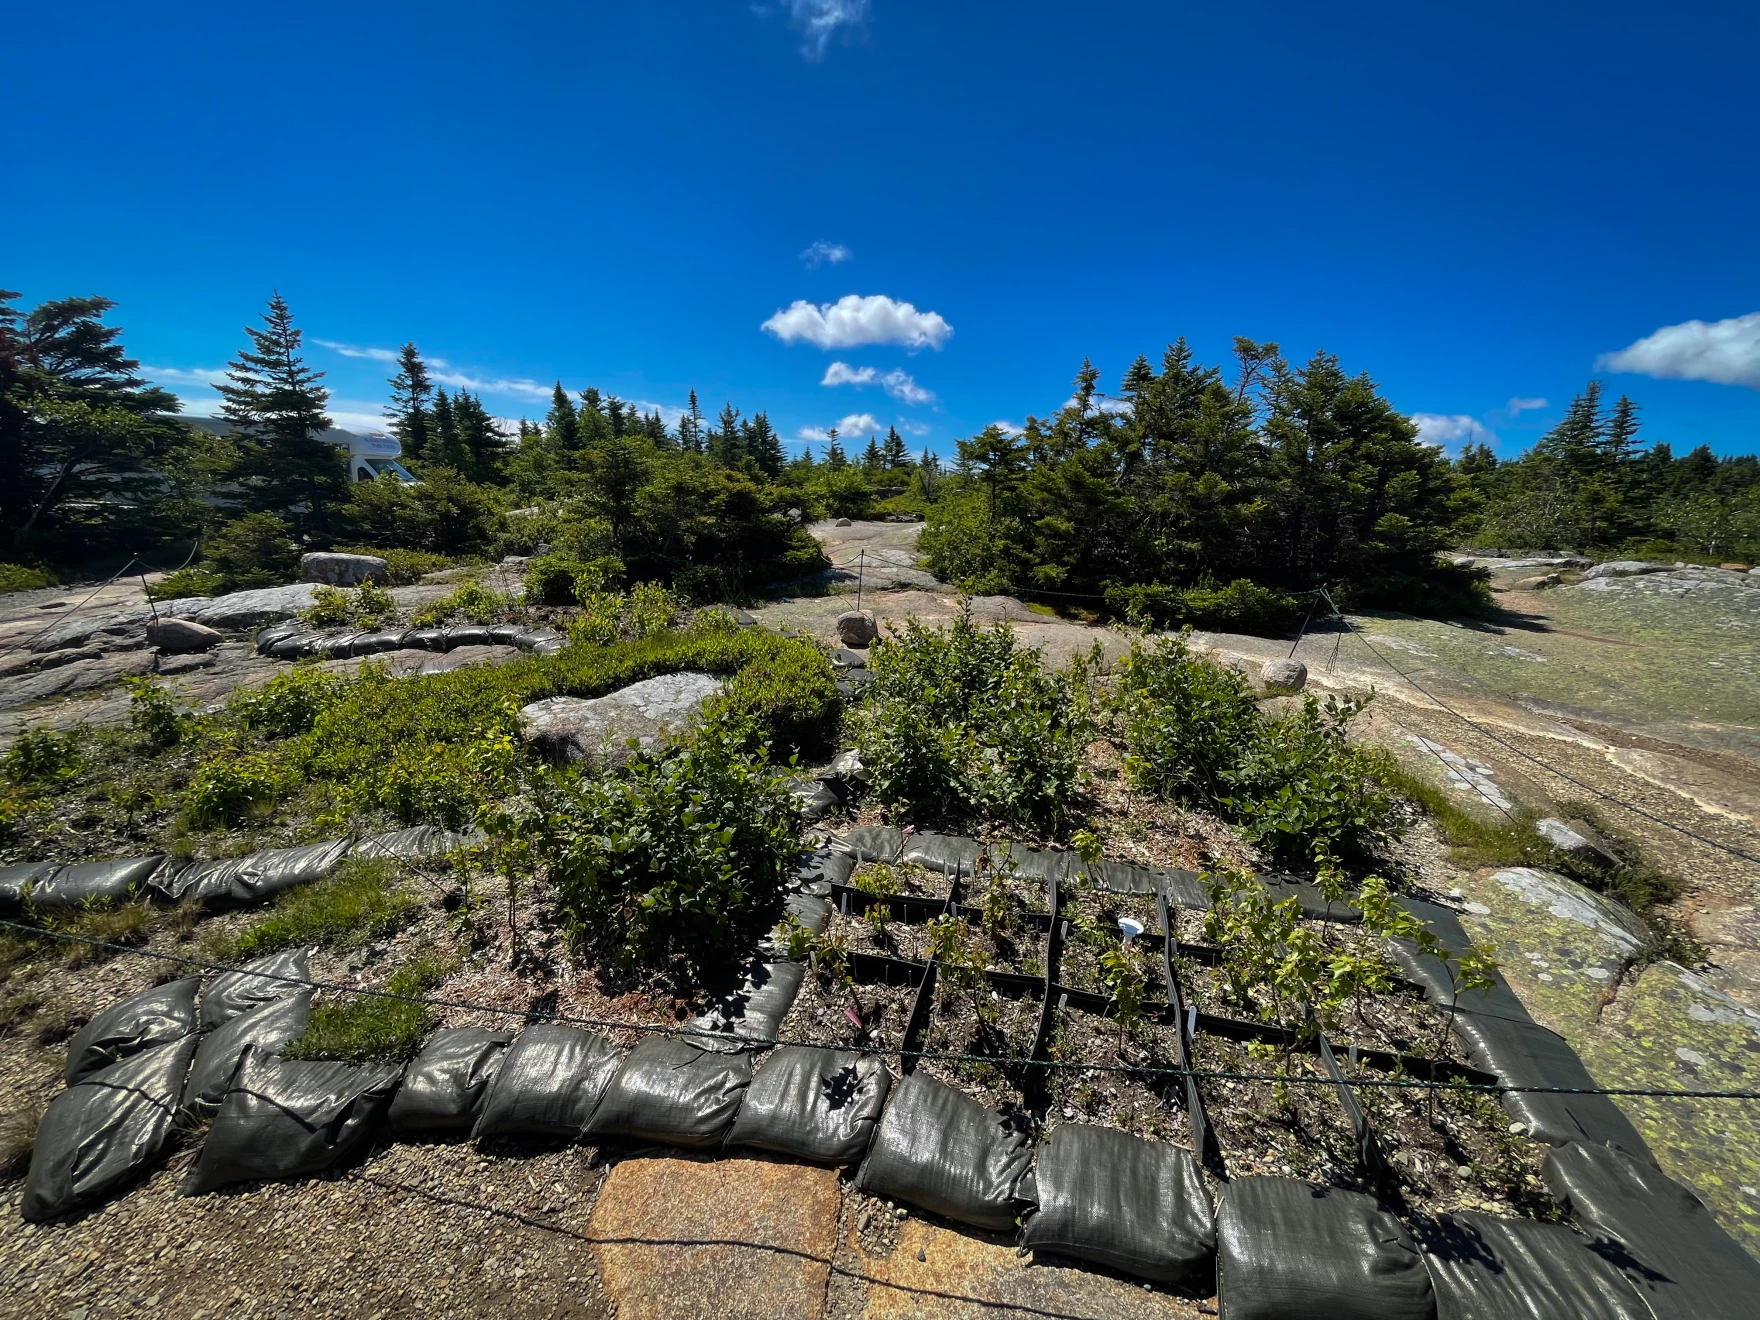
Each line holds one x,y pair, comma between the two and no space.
361,423
1724,352
822,253
913,428
819,21
1009,428
853,321
525,389
354,351
1517,406
853,426
899,384
1453,431
1101,404
200,378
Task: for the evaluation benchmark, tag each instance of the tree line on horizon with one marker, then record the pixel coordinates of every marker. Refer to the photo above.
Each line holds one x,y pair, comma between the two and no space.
1278,476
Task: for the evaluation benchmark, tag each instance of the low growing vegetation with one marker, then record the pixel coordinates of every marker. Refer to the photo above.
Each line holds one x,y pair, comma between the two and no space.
375,1028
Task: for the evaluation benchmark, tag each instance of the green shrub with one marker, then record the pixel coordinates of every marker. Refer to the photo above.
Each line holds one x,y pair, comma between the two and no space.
965,721
42,756
652,609
1295,785
371,1028
1304,791
185,583
1187,722
155,714
256,550
290,703
16,577
331,608
231,787
787,695
373,604
675,862
550,579
357,903
472,601
600,621
1242,606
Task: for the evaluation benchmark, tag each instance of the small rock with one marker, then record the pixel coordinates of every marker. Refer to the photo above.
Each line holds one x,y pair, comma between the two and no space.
182,636
1539,583
843,658
921,1254
1284,675
843,522
1736,568
857,628
340,570
1465,1171
1578,840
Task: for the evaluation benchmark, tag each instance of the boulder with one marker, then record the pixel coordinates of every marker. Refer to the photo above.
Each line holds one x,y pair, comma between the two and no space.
1736,568
843,522
857,628
182,636
1621,568
1579,840
1284,675
1538,583
340,570
599,730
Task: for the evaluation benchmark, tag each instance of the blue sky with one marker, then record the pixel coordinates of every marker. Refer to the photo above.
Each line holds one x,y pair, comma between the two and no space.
912,211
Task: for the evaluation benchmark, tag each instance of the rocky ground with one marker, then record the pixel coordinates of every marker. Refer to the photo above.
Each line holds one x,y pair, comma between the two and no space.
1641,691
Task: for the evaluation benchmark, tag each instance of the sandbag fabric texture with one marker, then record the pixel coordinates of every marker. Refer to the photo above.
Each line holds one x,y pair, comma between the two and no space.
104,1131
260,981
945,1152
814,1104
549,1083
444,1087
1116,1200
154,1017
264,1029
1286,1250
289,1119
673,1091
1484,1268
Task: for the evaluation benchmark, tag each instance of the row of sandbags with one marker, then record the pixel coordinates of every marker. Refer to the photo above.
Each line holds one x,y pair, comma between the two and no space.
1273,1247
294,641
223,882
953,854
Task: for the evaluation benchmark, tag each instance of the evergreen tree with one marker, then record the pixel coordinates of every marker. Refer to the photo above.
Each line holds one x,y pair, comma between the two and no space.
765,446
835,459
408,409
1620,443
690,428
445,445
615,413
1576,442
894,454
275,406
872,459
480,439
726,445
562,426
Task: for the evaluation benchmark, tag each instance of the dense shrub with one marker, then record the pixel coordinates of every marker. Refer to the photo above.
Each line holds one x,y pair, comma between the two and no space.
1295,784
231,787
1241,606
43,756
443,514
675,862
966,721
472,602
288,704
404,567
550,580
256,550
185,583
17,577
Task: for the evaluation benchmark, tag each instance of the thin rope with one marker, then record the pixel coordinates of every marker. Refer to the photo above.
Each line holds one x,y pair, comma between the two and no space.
1550,769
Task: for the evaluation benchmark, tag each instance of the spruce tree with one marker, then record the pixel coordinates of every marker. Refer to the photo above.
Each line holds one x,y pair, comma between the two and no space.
765,446
275,407
480,439
1619,445
408,410
835,458
1577,439
872,459
562,425
894,454
445,445
725,445
690,428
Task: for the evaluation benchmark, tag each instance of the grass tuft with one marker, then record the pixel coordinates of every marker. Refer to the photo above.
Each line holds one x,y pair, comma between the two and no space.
18,1138
361,901
368,1028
